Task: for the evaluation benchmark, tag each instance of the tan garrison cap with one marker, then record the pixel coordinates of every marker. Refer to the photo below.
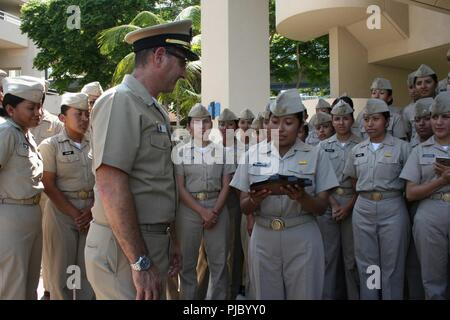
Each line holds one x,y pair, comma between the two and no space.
381,84
323,104
266,113
227,115
199,111
176,34
93,89
288,102
75,100
441,103
410,81
3,74
375,106
246,114
320,118
258,122
424,71
422,107
28,88
341,108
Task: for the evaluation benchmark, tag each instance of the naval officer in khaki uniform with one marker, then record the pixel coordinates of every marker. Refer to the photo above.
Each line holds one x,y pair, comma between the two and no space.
203,181
380,216
127,247
336,223
68,182
20,188
428,181
382,89
286,249
94,90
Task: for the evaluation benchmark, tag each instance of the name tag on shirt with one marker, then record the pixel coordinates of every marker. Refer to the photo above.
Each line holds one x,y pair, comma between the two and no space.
359,155
388,154
261,164
67,153
329,150
162,128
428,155
303,162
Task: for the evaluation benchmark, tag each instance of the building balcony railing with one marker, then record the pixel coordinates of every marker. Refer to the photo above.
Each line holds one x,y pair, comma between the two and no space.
9,18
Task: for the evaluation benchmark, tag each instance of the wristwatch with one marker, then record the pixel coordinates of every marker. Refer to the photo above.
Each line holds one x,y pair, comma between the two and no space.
142,264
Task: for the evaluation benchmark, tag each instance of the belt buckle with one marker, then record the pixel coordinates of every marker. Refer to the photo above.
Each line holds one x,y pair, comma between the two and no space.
277,224
36,199
376,196
83,195
340,191
446,197
201,196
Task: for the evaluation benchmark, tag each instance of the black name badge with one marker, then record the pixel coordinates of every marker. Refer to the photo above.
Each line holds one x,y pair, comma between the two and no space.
329,150
67,153
428,155
359,155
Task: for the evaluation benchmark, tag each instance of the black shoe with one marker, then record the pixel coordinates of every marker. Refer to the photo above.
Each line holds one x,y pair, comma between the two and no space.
46,296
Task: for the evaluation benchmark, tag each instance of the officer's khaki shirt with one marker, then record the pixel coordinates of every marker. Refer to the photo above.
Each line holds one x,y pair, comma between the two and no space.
419,168
395,128
302,161
21,165
49,126
378,170
131,132
203,171
72,166
338,155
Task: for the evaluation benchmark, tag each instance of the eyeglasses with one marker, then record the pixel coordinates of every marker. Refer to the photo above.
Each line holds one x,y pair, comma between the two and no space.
183,60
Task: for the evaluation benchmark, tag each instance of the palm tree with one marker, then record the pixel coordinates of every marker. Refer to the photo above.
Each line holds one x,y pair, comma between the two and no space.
187,91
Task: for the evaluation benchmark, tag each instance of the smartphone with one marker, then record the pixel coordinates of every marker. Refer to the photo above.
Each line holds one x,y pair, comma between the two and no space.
443,161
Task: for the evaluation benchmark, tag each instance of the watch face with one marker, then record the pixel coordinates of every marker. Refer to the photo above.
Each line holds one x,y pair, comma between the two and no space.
145,263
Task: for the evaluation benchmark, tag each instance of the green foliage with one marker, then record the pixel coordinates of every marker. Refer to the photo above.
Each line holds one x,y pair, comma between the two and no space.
70,53
193,13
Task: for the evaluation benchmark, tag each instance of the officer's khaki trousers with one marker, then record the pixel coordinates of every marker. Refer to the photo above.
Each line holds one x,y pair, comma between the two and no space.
413,272
381,233
287,264
246,263
44,262
431,234
64,246
235,252
108,269
190,233
20,251
337,237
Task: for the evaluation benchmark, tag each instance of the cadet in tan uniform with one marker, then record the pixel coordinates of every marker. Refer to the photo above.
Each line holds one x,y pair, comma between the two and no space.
127,247
382,89
94,90
286,249
203,186
20,188
380,217
322,125
409,111
321,106
336,223
68,182
425,82
428,181
422,124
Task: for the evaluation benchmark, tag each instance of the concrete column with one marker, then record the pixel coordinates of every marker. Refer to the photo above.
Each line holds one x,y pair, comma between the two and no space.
235,53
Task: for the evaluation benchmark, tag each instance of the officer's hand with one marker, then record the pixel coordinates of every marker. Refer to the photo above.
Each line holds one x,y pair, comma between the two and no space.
147,284
341,214
293,192
250,223
84,219
175,260
256,197
442,171
209,218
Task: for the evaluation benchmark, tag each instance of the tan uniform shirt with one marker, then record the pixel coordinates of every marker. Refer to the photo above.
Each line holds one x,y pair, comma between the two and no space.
420,165
49,126
21,165
199,172
72,166
338,156
395,128
302,160
131,132
378,170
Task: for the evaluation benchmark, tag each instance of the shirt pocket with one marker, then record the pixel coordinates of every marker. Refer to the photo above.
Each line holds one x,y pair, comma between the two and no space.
160,141
427,167
306,172
388,168
256,174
